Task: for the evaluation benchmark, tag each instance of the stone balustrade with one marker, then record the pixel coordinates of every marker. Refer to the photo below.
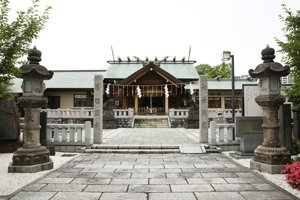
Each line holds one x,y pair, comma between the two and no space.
178,113
70,113
220,133
68,137
123,113
226,113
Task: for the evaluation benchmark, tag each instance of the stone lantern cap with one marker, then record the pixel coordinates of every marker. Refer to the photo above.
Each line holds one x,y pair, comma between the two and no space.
269,68
34,69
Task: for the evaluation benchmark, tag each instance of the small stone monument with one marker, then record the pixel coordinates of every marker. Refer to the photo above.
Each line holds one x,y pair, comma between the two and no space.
109,121
32,157
193,118
270,157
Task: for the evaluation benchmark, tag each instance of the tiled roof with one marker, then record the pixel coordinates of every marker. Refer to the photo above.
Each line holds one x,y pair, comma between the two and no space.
62,79
178,70
223,84
76,79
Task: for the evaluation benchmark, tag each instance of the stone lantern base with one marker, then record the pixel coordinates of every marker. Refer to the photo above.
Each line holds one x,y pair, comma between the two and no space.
30,160
270,159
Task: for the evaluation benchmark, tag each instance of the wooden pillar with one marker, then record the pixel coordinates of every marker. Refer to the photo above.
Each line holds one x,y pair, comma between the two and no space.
136,104
166,105
222,102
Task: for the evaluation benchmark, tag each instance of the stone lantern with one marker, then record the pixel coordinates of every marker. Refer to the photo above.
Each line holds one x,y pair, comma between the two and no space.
32,157
270,157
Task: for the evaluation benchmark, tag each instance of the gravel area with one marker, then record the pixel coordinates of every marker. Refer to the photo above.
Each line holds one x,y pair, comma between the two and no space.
10,182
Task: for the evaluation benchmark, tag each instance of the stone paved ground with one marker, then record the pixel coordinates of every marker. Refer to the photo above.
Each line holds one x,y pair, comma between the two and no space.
151,176
151,136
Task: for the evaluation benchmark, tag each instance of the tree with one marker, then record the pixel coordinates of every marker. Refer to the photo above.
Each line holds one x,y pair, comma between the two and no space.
222,70
15,37
291,48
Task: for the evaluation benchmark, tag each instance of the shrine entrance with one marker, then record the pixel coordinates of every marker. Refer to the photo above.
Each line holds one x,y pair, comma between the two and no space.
151,105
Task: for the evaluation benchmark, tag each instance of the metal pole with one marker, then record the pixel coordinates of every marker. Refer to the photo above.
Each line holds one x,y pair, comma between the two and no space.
232,95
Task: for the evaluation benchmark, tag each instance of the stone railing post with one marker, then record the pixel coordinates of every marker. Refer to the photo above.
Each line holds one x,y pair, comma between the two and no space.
212,139
88,133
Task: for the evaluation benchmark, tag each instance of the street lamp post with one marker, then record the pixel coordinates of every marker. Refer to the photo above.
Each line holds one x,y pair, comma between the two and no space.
227,56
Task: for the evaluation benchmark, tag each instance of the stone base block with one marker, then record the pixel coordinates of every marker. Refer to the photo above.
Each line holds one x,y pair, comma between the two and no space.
263,167
240,155
30,168
250,140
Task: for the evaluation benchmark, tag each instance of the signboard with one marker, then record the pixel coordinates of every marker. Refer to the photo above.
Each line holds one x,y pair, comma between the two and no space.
250,107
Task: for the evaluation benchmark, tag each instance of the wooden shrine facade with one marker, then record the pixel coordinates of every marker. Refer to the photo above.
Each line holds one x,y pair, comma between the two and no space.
149,90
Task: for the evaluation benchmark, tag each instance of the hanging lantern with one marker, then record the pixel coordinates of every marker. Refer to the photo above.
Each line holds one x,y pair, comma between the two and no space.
107,89
191,88
166,91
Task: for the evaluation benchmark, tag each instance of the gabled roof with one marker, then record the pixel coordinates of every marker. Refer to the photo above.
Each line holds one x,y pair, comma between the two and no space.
66,79
150,67
223,84
182,70
84,79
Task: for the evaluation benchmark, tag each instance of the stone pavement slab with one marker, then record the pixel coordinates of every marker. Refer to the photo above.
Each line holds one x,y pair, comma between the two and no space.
220,195
112,177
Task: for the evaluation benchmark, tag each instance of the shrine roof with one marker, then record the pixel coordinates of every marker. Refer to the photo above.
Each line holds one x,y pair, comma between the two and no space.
180,70
66,79
84,79
224,84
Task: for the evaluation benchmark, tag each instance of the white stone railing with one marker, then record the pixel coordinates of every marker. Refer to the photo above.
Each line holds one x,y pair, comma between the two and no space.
70,113
67,134
124,113
220,133
178,113
226,113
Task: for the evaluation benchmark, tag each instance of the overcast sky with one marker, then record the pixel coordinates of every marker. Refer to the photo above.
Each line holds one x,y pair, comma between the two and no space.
79,34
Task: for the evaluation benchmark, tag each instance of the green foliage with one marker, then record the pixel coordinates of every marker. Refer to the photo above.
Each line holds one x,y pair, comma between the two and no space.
291,48
15,37
222,71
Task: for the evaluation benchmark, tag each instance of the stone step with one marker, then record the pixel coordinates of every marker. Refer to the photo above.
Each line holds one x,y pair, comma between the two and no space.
154,148
153,126
133,146
128,148
151,123
158,151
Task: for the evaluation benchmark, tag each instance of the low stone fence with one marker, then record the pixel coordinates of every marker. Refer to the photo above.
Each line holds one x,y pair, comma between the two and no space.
222,135
178,117
68,137
226,113
124,117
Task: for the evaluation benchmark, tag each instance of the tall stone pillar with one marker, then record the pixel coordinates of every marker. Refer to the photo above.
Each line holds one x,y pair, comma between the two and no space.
98,109
270,157
32,157
203,109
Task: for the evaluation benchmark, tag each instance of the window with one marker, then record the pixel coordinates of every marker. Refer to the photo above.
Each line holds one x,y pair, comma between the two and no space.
238,101
53,102
80,100
214,102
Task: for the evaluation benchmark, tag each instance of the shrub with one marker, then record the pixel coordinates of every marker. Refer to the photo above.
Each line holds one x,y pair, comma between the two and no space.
292,176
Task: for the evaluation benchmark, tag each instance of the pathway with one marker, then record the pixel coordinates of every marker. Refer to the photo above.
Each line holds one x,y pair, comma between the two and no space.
113,176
